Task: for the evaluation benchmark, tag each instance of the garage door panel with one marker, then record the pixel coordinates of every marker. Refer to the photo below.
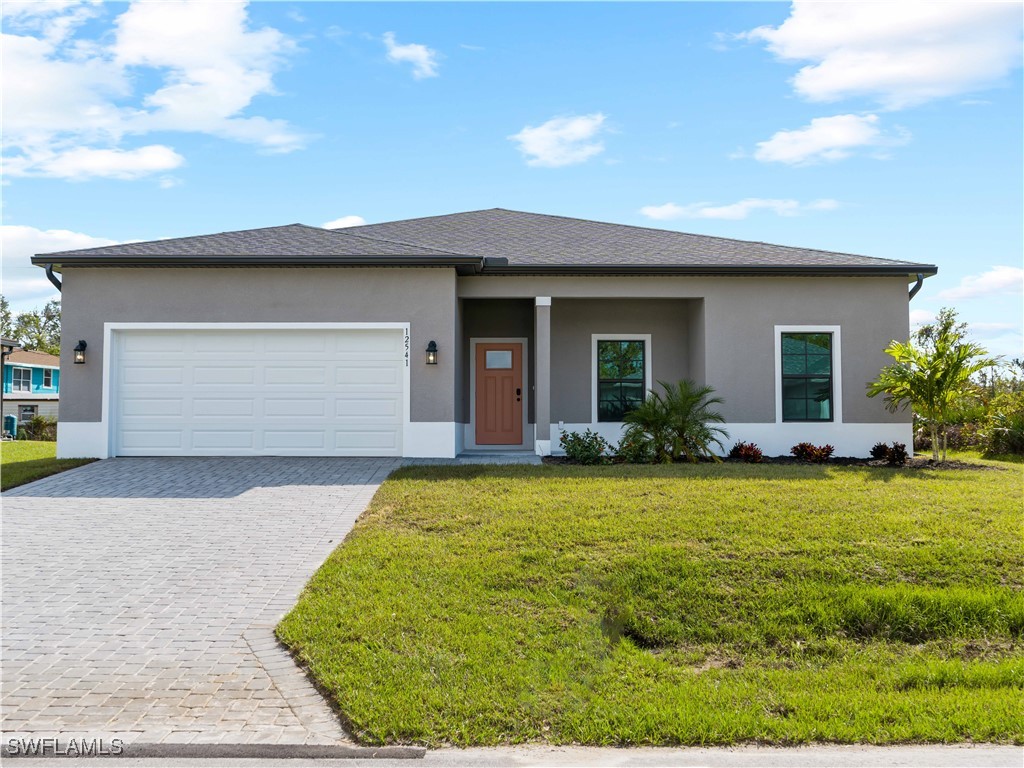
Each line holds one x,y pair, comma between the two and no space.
151,406
223,374
252,392
223,406
205,439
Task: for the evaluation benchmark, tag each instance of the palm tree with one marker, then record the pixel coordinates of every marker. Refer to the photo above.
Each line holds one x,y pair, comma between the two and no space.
931,371
677,423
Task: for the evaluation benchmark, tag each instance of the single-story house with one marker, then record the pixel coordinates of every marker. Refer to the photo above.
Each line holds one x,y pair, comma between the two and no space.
31,382
485,330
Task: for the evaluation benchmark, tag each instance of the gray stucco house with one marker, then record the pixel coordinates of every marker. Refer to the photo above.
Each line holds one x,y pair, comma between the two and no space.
490,329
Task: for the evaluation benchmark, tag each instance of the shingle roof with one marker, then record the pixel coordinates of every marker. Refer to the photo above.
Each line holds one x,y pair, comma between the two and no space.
533,239
288,240
30,357
492,241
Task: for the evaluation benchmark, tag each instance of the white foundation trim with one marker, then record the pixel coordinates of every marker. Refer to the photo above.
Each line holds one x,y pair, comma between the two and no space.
594,338
109,329
542,447
81,440
837,371
469,436
776,439
430,440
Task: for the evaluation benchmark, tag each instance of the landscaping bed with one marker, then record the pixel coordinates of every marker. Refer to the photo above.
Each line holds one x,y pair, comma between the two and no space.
674,604
916,462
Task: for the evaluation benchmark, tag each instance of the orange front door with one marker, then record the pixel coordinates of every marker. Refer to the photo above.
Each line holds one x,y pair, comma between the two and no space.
499,393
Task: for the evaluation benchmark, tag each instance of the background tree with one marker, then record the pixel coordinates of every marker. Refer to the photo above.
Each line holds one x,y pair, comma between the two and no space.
933,370
37,329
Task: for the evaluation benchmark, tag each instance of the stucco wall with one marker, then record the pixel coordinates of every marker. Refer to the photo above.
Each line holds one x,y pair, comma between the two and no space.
573,321
739,317
425,298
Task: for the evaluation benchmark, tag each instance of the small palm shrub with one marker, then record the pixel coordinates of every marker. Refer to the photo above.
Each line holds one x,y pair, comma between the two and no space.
588,448
815,454
749,452
677,423
1003,431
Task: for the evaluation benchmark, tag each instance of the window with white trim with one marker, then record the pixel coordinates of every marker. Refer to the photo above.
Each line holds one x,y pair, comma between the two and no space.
27,412
48,378
807,370
621,377
22,381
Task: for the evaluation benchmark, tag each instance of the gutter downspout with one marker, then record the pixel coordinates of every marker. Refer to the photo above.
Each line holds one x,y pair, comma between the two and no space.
913,291
53,278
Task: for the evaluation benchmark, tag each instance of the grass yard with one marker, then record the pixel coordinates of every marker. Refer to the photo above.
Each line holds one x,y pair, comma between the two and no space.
675,605
22,461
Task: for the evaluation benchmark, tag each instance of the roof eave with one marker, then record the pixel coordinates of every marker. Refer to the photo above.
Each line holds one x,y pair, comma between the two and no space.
472,262
908,270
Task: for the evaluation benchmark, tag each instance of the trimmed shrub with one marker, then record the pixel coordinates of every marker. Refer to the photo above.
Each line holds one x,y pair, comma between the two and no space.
815,454
749,452
879,451
588,448
897,454
635,451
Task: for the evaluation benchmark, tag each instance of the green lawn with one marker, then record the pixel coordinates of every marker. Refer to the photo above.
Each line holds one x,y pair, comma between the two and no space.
675,605
22,461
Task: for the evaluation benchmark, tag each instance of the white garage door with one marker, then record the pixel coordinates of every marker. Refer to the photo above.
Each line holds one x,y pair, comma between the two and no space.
258,392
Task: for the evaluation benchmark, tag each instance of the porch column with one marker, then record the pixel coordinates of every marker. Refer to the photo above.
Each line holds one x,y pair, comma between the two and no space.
542,375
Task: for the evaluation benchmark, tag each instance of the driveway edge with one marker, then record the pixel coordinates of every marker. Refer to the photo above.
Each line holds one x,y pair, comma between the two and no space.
241,751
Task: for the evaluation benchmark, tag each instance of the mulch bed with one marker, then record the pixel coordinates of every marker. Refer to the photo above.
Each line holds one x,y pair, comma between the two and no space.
918,462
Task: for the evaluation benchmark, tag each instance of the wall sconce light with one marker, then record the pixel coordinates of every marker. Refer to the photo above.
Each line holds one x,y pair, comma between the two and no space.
80,352
432,353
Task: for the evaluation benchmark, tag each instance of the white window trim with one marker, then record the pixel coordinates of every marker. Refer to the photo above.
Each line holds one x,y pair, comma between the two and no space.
837,369
470,435
594,338
48,372
35,412
14,372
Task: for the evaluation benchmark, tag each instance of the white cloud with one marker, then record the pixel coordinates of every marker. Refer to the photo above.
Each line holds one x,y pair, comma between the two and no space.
561,140
82,163
345,221
828,139
1000,280
899,53
920,317
24,285
66,94
423,59
734,211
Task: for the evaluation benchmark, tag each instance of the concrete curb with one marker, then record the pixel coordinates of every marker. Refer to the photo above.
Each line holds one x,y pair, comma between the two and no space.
239,751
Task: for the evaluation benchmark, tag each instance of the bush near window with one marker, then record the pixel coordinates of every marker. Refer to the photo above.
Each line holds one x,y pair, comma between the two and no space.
749,452
588,448
677,423
38,428
816,454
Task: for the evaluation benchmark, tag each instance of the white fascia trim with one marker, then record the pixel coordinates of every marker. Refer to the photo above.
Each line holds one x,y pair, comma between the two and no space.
837,371
110,328
594,338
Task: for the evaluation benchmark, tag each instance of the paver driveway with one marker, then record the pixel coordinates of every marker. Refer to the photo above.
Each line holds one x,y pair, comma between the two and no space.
139,596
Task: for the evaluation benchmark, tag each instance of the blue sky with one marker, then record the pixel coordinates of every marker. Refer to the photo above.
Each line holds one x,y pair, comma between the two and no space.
893,130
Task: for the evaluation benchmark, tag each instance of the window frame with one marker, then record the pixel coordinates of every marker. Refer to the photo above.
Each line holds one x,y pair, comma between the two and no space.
836,374
14,379
22,408
47,378
595,379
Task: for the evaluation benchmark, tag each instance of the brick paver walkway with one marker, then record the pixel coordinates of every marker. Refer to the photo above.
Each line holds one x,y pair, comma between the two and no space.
139,596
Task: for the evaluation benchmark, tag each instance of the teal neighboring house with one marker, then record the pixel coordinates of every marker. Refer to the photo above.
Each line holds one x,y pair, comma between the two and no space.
31,385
